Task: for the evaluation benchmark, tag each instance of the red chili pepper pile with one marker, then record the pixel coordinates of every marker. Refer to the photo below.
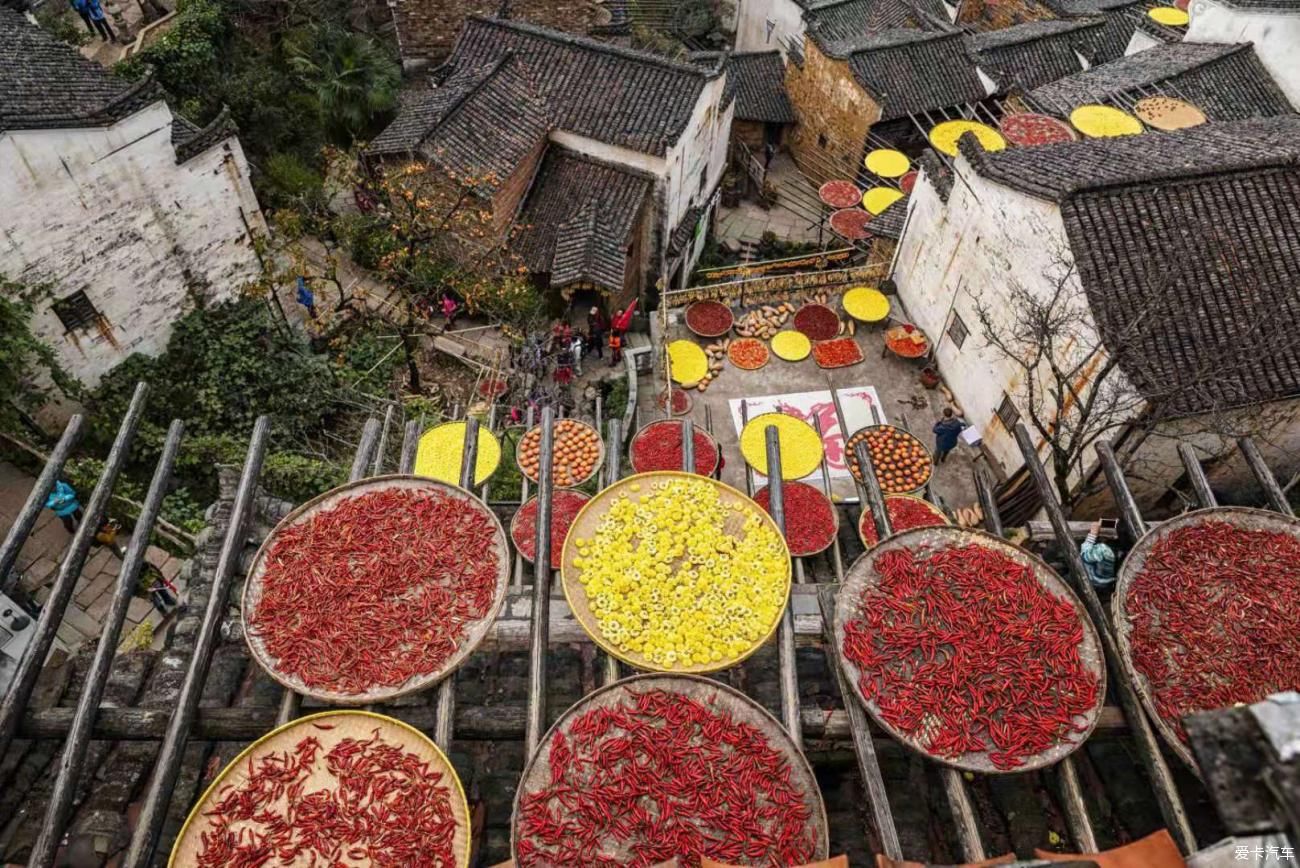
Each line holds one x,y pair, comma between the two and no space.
565,505
809,517
1215,620
748,354
709,318
658,446
838,353
384,806
905,513
681,402
965,651
817,321
660,777
377,589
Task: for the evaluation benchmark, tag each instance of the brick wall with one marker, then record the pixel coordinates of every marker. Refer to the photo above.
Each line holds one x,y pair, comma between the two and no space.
751,133
834,114
427,29
510,196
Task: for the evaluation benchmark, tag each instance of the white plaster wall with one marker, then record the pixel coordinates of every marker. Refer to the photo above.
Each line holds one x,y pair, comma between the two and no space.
985,238
1275,33
1141,41
752,17
109,212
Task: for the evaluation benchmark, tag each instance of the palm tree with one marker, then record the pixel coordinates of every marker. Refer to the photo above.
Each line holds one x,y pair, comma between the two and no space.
353,77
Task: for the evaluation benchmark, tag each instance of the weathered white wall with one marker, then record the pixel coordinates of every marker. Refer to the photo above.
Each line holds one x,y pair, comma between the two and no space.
109,212
752,20
1141,41
1275,33
984,239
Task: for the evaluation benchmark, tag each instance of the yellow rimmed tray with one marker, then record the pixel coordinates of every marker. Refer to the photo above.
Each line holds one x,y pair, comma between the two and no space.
444,443
474,633
862,575
719,697
591,515
360,725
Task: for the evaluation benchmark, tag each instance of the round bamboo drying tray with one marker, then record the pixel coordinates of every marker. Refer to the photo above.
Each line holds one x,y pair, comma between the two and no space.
830,504
866,517
514,521
584,526
740,343
595,468
862,575
474,633
701,305
741,708
631,448
345,724
1239,516
851,458
488,445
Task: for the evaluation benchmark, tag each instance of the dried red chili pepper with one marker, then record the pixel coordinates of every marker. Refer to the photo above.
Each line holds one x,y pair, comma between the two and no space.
809,517
369,800
565,505
837,353
748,354
905,513
659,776
817,321
1214,618
377,589
709,318
964,650
658,446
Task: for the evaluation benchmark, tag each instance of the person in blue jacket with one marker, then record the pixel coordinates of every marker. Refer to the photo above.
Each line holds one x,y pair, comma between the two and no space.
63,501
82,9
946,431
1098,559
99,19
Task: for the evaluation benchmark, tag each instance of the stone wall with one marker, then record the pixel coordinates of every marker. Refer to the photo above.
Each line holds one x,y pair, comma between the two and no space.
427,29
834,115
109,212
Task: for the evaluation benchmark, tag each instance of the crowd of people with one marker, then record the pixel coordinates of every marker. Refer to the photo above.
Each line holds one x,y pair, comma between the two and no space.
569,346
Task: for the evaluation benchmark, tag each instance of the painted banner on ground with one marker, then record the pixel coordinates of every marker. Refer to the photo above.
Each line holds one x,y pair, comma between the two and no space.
856,401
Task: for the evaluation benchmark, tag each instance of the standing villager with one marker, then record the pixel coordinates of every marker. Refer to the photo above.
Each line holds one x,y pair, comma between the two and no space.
306,297
63,502
100,20
83,9
946,432
597,325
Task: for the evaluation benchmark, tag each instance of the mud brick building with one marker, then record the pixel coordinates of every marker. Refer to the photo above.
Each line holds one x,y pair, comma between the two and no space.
131,214
844,88
604,162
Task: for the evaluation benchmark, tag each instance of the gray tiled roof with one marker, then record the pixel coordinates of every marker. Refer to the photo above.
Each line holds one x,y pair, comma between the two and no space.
45,82
1227,82
759,83
1192,284
910,71
1286,5
889,223
1120,20
578,219
1055,171
1032,54
480,123
1183,242
616,95
840,26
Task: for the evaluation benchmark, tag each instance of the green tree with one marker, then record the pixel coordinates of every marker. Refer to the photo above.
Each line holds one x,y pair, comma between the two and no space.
30,372
354,78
